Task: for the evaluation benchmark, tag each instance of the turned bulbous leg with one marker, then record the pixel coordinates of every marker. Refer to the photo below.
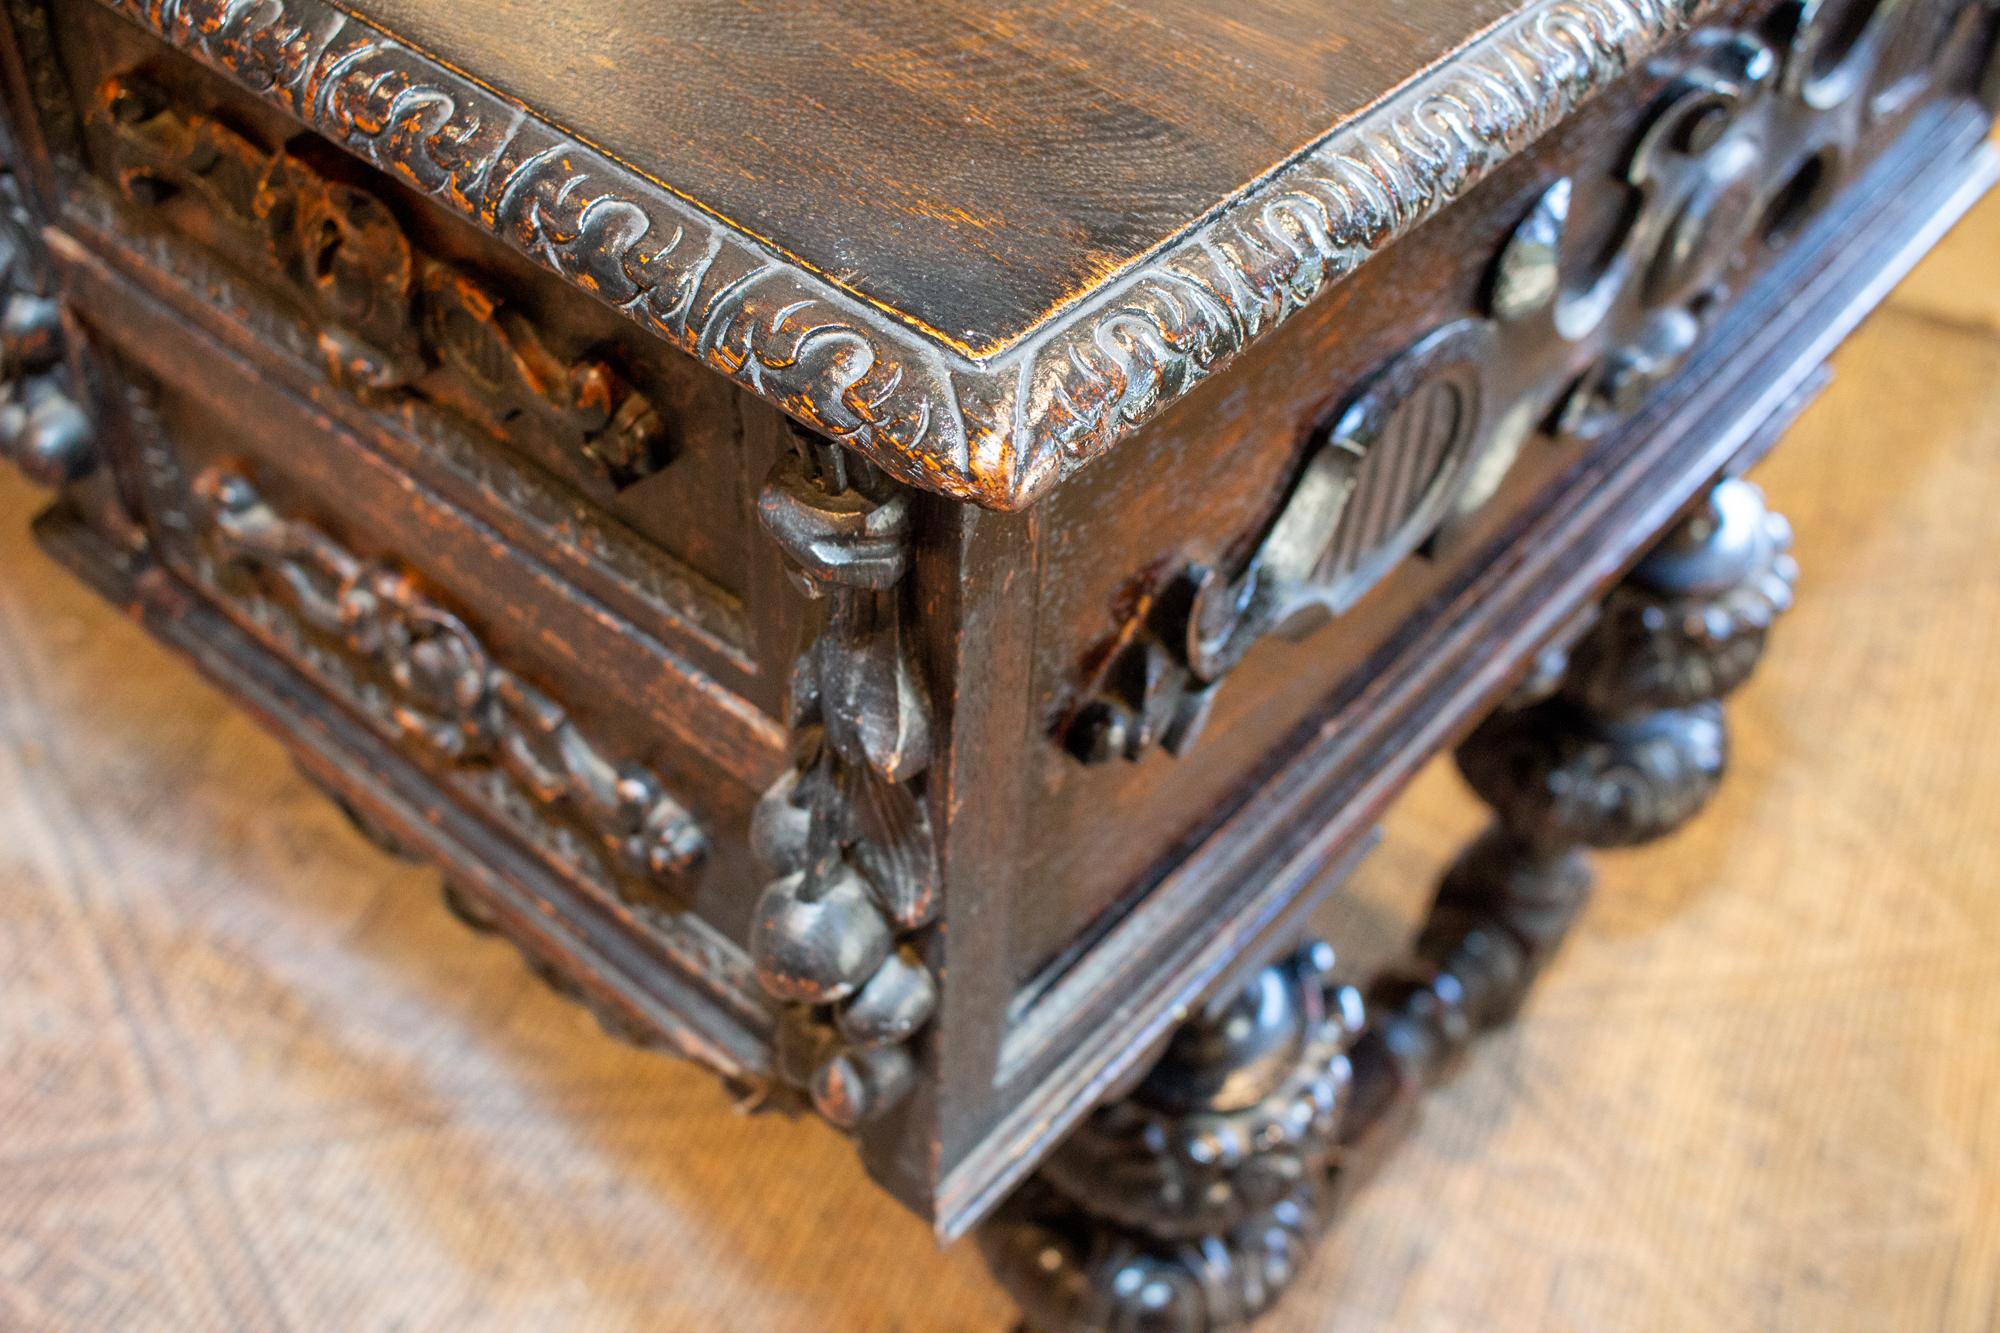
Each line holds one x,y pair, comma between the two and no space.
1189,1204
1623,742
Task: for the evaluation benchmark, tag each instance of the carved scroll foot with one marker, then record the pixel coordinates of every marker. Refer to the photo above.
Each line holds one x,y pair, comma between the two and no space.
1190,1204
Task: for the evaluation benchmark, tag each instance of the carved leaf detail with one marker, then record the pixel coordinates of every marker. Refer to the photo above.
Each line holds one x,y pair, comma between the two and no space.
893,847
873,703
381,310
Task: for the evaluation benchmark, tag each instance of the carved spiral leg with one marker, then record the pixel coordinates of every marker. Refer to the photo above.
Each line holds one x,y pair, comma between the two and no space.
1190,1204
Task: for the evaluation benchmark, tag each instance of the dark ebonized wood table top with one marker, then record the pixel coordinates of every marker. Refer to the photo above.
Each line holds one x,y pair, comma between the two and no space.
978,244
970,167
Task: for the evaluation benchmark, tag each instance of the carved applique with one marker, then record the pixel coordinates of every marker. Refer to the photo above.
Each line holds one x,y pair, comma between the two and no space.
422,674
388,314
847,833
1749,137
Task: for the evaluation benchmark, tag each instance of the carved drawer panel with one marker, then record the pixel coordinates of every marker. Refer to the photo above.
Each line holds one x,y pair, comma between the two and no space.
527,403
627,772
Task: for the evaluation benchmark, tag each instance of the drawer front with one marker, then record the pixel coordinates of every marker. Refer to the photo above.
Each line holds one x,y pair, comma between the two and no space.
624,465
624,771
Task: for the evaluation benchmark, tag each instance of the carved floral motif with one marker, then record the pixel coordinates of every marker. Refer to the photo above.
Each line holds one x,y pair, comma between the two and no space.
386,312
437,685
1749,137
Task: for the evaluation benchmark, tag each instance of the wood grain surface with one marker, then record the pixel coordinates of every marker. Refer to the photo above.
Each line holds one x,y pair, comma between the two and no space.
969,165
252,1075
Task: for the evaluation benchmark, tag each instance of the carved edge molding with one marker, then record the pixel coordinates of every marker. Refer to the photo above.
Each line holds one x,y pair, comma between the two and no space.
1151,335
846,834
1000,432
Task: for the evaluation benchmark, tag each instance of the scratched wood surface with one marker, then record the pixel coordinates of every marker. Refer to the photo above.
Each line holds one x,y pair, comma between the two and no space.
970,165
253,1076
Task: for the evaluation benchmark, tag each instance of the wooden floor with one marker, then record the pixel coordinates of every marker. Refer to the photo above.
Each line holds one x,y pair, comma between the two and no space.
253,1076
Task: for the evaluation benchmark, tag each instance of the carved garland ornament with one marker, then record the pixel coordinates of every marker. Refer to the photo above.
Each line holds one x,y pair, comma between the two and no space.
433,682
847,832
1002,431
42,428
387,312
1750,136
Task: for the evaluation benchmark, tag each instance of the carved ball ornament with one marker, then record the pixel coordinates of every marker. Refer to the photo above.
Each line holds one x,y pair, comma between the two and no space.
1236,1116
43,427
1631,743
1691,621
1192,1202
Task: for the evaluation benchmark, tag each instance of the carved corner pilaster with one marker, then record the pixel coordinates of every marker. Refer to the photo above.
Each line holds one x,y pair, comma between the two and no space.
847,833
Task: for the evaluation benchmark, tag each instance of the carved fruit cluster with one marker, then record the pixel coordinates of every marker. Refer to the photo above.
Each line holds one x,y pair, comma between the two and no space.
1190,1203
847,832
42,428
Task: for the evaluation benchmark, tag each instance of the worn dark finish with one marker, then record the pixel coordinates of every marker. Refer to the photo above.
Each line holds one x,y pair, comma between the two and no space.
348,337
1190,1203
438,682
1573,334
1000,426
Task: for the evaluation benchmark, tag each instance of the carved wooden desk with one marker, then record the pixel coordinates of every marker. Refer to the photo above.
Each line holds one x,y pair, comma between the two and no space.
897,550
